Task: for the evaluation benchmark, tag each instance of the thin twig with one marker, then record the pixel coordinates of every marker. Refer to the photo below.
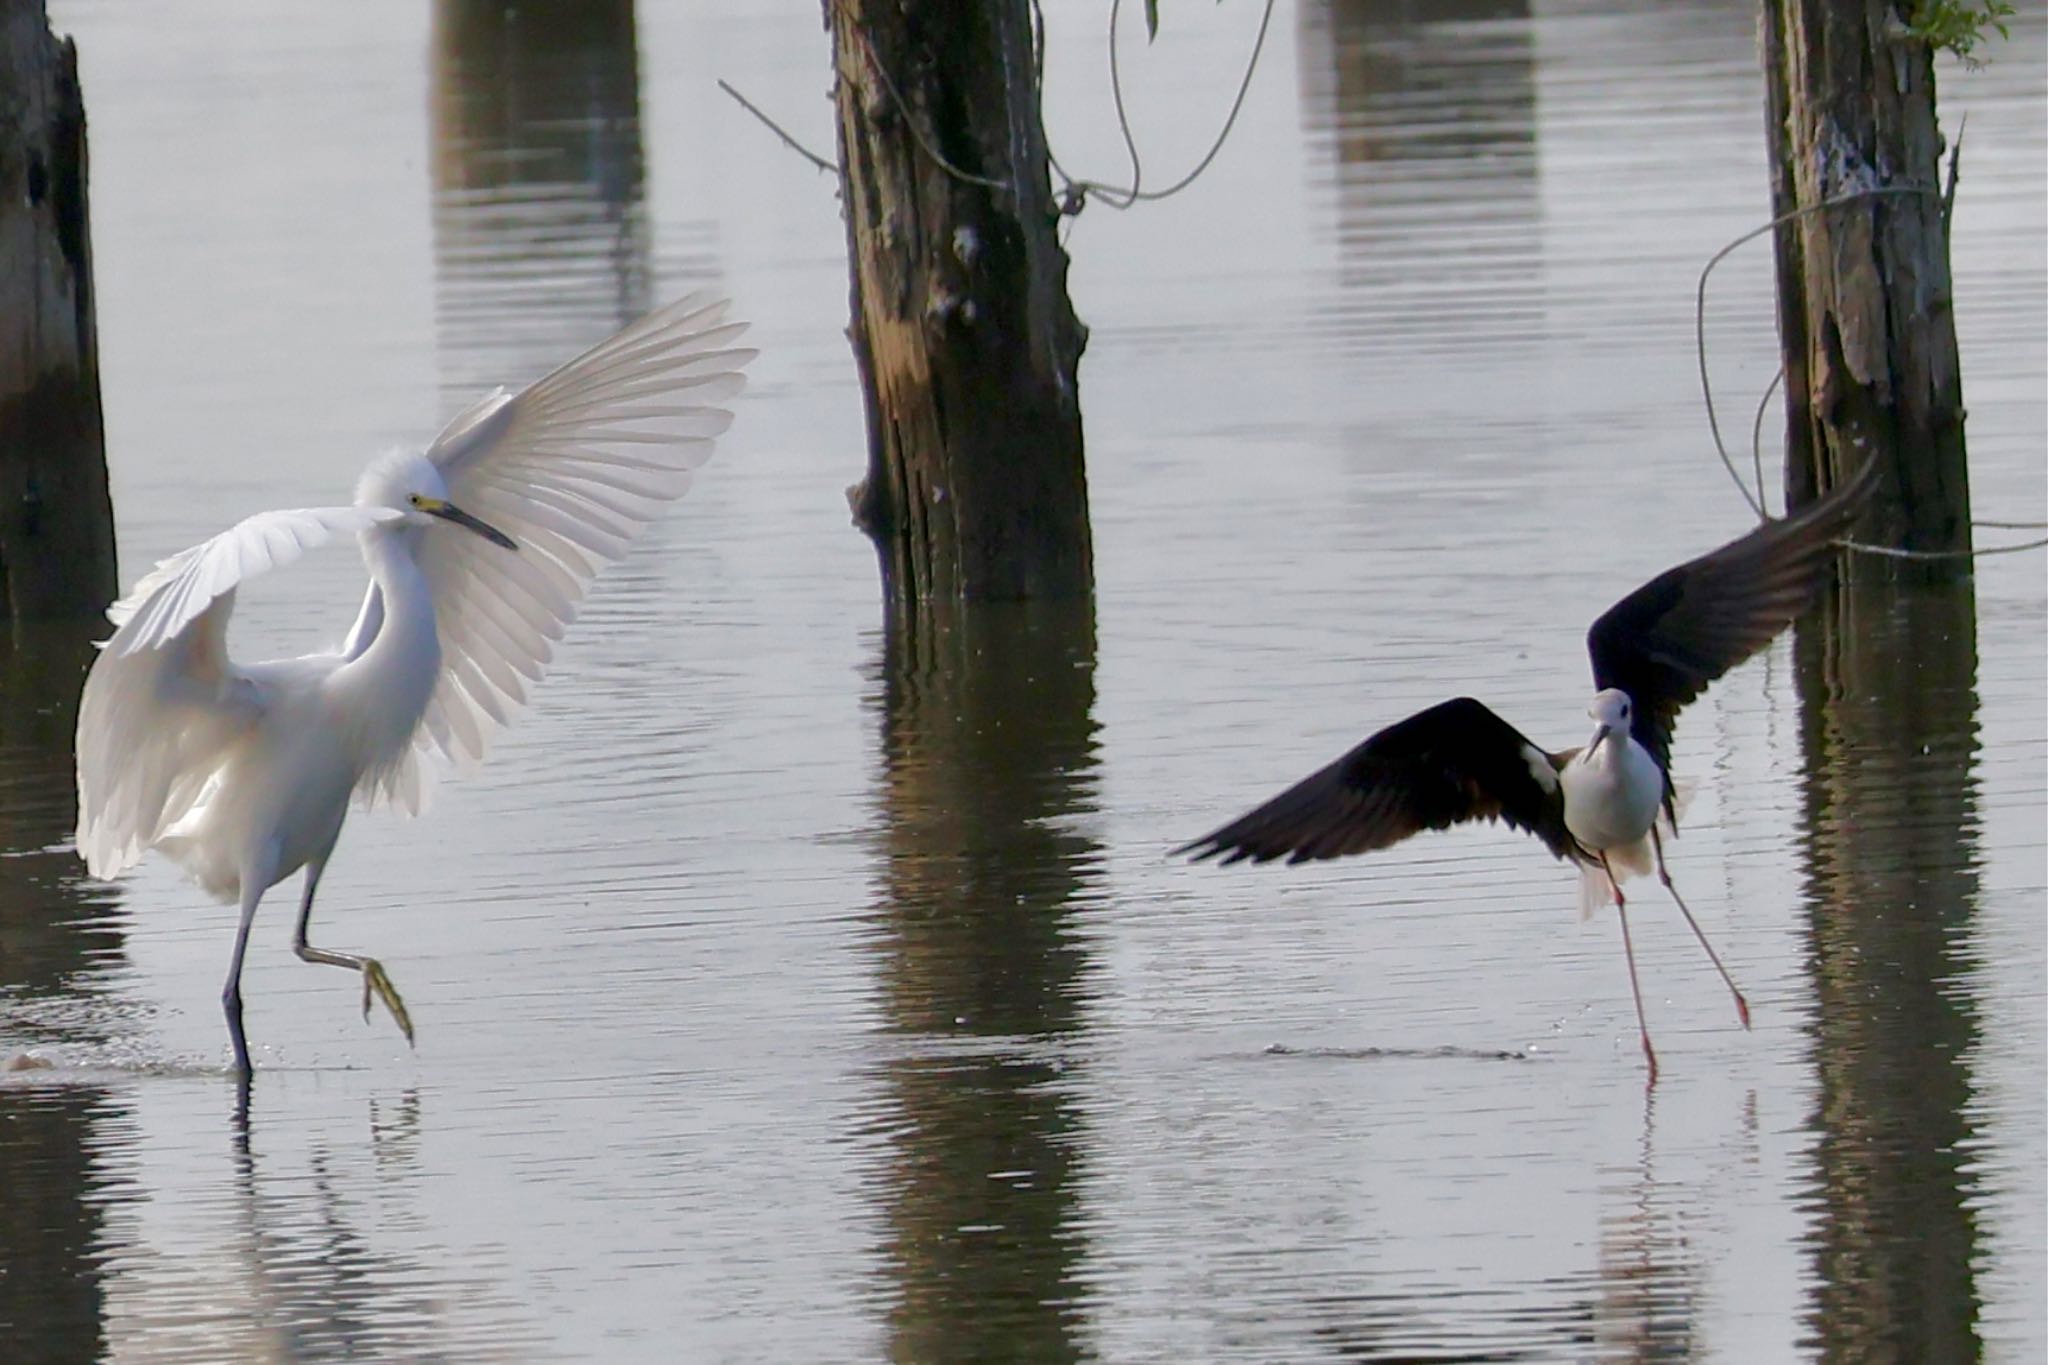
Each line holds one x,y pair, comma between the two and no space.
820,162
1955,166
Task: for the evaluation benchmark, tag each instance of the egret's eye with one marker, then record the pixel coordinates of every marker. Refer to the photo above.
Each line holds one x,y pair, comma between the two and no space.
413,498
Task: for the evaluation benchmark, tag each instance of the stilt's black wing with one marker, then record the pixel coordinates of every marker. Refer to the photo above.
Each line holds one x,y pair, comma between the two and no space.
1455,762
1663,643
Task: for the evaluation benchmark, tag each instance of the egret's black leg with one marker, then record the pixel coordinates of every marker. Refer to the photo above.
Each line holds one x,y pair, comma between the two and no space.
1628,949
231,994
374,976
1664,875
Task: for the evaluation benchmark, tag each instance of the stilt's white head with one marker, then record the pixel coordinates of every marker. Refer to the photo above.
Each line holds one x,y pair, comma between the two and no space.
1611,711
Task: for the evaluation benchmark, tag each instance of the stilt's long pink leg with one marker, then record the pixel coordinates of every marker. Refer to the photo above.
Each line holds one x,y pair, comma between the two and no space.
1664,875
1635,988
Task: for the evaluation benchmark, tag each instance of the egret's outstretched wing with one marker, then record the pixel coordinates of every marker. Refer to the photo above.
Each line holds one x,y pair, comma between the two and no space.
163,700
1454,762
573,468
1663,643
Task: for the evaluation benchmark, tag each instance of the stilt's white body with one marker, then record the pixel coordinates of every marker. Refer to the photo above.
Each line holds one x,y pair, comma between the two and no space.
1611,794
1612,790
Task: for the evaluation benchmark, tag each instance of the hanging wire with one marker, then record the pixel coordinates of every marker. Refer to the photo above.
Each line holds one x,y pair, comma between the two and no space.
1755,500
1700,319
1075,193
917,133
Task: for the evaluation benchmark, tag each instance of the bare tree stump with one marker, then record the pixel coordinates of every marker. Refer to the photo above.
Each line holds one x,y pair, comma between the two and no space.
56,520
966,341
1865,302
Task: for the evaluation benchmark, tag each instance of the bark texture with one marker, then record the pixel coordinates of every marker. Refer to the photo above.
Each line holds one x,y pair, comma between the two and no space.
56,521
1865,302
966,342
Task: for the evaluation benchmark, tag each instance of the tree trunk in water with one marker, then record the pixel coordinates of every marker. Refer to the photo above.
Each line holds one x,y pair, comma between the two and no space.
1891,823
966,342
56,522
1865,304
1887,667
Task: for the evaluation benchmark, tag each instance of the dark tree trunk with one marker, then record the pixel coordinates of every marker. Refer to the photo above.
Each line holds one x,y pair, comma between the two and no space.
1865,304
966,342
56,522
1887,669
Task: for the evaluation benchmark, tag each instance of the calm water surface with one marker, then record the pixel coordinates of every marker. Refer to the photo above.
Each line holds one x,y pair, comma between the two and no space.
791,990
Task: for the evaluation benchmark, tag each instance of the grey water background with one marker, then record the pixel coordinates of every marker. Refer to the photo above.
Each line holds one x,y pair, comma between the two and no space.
786,990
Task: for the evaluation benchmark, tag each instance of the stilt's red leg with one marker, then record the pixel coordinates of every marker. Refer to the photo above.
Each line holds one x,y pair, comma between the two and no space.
1664,875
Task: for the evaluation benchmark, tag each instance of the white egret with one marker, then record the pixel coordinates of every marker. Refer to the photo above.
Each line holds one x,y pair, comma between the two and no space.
479,552
1597,806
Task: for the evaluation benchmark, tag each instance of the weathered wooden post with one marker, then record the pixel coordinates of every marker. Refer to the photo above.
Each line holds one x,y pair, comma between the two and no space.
1886,666
966,342
56,521
1865,304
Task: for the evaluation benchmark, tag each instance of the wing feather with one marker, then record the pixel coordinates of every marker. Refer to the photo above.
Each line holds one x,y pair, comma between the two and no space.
163,700
574,468
1666,641
1456,761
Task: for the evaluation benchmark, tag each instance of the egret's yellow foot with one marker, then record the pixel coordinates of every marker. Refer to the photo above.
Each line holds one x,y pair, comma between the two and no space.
375,978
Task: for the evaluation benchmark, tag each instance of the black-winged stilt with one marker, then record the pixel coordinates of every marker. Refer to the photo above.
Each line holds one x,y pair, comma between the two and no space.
1598,806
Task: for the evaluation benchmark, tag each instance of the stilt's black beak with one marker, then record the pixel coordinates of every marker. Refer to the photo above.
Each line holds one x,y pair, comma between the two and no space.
1598,736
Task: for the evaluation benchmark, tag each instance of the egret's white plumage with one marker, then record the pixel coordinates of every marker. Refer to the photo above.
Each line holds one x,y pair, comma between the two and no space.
242,773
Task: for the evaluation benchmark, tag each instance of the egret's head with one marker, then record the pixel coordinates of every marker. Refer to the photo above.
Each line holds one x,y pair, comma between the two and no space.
412,484
1611,712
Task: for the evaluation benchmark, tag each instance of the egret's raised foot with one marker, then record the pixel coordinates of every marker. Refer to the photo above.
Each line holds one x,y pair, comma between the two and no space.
375,978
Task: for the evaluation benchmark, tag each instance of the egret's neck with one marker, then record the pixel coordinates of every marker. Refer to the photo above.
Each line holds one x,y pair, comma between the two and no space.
386,684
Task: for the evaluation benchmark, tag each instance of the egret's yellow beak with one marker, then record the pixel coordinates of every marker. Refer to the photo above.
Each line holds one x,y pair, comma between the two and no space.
449,512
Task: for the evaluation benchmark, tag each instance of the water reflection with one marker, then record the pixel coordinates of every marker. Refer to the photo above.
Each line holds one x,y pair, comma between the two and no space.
52,1289
1889,721
1640,1302
56,929
311,1268
1647,1295
541,238
58,933
1429,109
988,772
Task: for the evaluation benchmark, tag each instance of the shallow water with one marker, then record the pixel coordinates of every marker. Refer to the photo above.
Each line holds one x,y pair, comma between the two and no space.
789,990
